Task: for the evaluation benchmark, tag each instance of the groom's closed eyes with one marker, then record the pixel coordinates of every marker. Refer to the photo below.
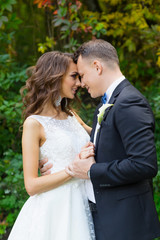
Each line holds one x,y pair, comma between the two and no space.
80,76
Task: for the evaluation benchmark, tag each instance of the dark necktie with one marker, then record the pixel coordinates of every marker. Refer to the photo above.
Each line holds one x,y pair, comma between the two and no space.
104,99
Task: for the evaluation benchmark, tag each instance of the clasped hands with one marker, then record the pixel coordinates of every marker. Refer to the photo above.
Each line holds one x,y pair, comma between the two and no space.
79,167
82,163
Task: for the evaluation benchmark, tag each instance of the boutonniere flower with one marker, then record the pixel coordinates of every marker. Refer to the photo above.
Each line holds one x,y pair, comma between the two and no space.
102,111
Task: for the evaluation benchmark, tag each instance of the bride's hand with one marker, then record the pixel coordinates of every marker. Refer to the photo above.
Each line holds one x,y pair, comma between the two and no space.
87,151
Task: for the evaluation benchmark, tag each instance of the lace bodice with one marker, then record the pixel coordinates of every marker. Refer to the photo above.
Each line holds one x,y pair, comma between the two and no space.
64,140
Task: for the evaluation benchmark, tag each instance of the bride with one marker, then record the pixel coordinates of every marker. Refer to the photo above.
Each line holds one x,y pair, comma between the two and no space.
57,208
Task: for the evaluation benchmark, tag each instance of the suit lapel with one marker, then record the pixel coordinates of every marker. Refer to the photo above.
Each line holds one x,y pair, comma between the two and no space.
114,96
97,140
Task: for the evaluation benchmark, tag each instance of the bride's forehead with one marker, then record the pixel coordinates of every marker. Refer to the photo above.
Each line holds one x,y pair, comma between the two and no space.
72,64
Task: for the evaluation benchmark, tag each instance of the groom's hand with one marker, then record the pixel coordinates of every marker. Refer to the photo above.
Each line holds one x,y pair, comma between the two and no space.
45,168
80,167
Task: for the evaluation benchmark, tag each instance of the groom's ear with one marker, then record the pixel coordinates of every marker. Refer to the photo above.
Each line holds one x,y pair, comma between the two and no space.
98,66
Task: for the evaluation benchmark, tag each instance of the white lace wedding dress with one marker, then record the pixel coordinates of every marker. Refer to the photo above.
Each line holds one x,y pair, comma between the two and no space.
62,213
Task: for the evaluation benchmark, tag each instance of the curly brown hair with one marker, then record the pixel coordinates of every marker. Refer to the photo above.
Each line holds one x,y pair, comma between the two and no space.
45,83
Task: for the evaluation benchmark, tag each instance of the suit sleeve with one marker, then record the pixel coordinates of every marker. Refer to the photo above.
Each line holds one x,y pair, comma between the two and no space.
134,122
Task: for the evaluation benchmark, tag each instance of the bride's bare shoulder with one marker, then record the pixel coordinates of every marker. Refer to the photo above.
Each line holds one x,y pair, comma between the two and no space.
31,123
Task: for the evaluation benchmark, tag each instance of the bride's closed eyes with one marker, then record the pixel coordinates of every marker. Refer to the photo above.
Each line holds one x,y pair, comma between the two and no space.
74,75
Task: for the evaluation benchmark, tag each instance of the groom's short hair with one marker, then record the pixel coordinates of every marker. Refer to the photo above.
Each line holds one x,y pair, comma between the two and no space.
97,48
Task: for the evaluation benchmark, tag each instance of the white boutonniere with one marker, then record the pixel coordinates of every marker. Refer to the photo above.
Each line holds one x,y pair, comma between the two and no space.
102,111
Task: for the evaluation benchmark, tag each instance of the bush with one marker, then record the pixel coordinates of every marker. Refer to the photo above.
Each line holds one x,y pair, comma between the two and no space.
12,192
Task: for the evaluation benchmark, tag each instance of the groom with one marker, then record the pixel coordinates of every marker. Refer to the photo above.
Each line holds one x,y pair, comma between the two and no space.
125,162
125,154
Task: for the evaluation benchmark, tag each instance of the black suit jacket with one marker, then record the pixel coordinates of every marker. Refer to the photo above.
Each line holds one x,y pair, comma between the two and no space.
126,161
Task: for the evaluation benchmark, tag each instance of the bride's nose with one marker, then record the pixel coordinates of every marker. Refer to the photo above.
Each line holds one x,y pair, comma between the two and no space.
78,82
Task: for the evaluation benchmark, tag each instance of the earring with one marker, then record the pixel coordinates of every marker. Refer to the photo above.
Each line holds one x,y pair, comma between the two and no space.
58,101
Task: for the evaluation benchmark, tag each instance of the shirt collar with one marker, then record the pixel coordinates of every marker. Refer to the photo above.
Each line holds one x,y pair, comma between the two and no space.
113,86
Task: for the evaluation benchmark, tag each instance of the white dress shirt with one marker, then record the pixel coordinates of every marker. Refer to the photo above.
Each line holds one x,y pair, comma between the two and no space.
110,90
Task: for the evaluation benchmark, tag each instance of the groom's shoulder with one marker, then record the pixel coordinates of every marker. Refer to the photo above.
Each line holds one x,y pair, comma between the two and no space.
130,93
131,96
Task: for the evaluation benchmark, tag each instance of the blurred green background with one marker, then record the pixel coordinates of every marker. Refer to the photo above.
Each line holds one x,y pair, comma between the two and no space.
31,27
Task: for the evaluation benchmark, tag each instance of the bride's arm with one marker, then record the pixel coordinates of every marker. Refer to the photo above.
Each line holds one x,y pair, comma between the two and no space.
30,148
86,127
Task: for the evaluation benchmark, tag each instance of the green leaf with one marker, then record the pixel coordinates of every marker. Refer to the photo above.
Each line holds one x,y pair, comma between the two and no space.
3,19
75,26
99,26
7,5
62,11
131,45
65,28
41,47
58,22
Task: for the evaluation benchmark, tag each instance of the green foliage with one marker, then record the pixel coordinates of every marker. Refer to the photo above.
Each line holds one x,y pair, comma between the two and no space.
12,78
152,94
12,190
157,192
8,24
70,25
133,28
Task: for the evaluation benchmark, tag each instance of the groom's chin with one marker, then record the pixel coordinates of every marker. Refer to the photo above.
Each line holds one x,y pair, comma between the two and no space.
93,95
